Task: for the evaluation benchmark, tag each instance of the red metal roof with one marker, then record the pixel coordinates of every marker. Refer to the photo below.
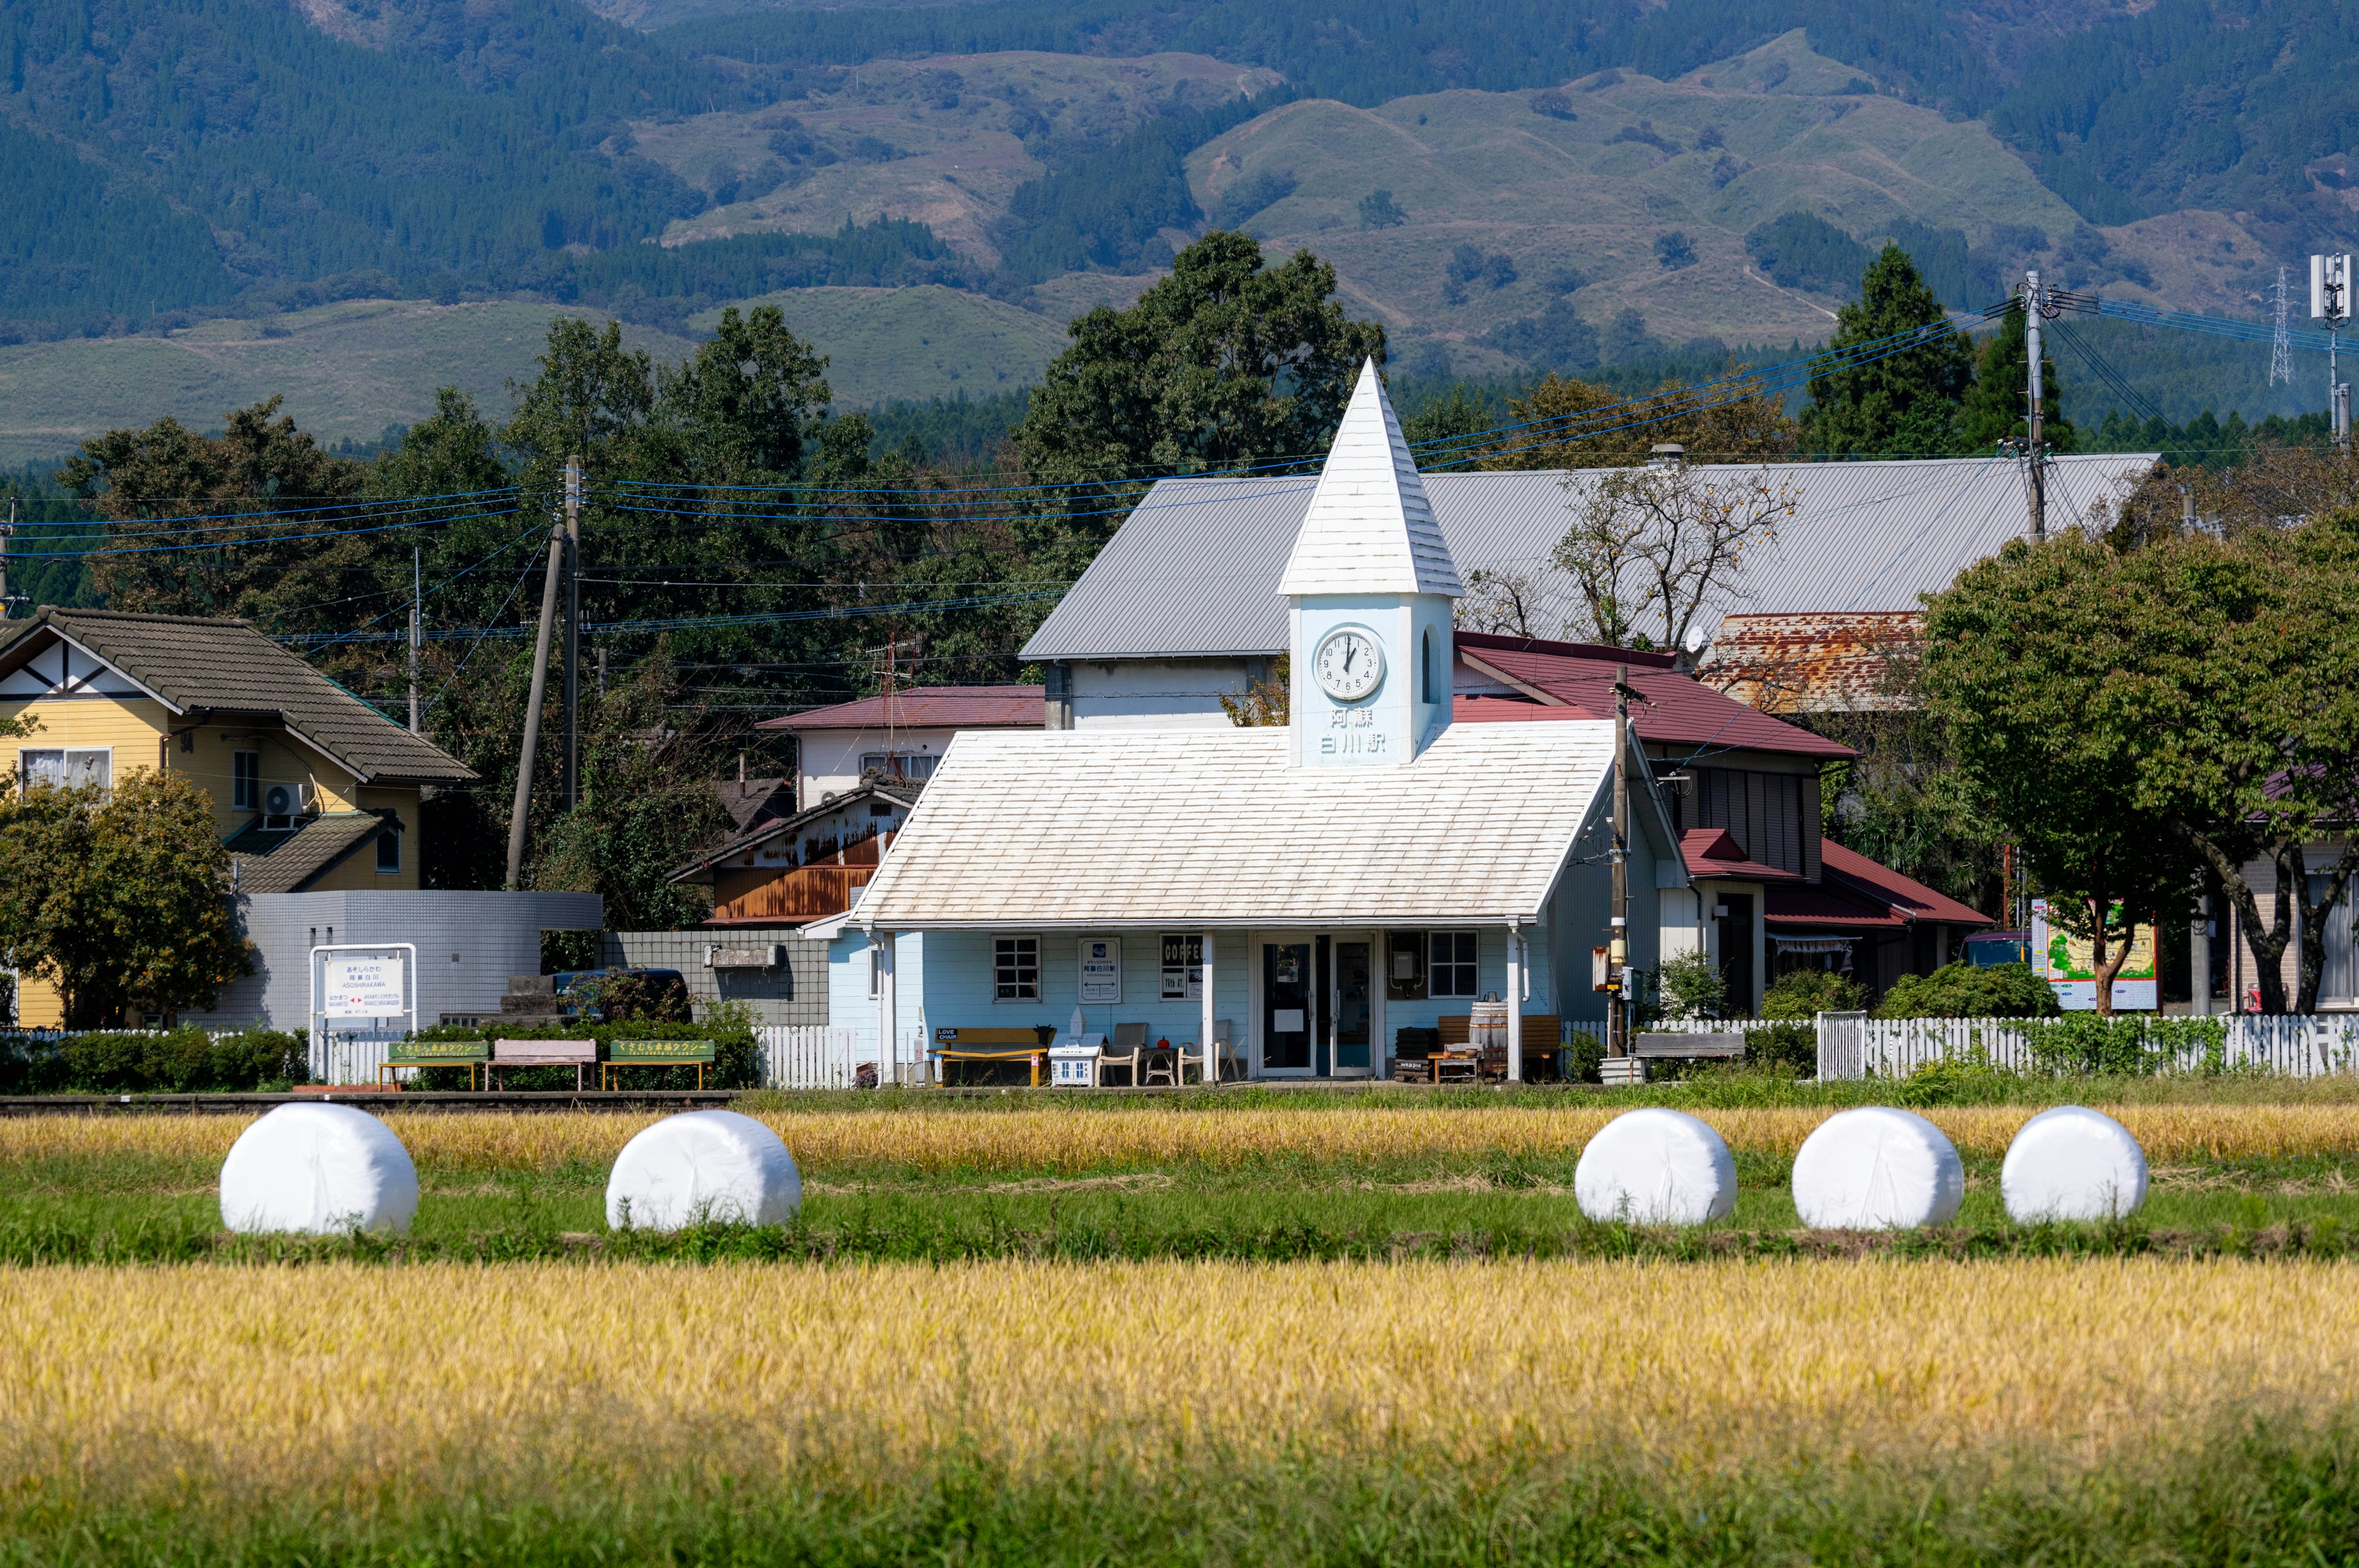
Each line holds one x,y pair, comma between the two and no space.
1678,710
928,708
1711,852
1912,899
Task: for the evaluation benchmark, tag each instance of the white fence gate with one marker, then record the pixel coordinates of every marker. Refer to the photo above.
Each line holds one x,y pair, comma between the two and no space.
807,1056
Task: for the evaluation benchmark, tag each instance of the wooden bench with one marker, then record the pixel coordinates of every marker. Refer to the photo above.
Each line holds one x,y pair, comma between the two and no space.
577,1054
655,1054
468,1054
956,1044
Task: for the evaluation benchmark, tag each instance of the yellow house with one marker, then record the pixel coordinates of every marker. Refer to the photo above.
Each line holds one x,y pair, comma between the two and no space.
313,790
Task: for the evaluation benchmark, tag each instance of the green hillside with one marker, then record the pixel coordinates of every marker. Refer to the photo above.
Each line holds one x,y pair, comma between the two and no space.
1576,187
347,371
915,343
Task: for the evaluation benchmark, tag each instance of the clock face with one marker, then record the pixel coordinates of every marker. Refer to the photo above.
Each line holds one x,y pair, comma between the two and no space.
1350,663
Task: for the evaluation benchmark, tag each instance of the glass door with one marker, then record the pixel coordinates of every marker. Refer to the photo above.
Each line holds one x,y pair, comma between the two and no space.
1352,1019
1287,994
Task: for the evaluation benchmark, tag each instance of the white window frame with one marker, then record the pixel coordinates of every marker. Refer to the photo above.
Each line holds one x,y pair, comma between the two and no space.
1016,967
1433,969
868,956
63,754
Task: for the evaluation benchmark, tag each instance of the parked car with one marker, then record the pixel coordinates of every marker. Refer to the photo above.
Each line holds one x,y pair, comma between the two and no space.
660,993
1990,949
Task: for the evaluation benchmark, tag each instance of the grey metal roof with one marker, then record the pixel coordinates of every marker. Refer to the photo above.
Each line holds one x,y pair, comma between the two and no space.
1193,571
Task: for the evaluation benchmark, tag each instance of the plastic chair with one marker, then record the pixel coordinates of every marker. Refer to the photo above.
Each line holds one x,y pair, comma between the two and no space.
1129,1045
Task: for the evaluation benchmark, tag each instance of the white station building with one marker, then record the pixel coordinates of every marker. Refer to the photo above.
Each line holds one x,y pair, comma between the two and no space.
1304,892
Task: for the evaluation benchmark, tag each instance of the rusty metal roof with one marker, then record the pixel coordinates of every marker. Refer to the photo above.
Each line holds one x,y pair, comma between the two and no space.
1815,661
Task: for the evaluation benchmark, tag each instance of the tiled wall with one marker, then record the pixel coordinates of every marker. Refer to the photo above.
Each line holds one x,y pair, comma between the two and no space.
796,992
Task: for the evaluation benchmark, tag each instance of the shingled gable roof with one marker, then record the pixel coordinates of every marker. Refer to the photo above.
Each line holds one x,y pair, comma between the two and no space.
224,667
1678,710
1081,829
1369,528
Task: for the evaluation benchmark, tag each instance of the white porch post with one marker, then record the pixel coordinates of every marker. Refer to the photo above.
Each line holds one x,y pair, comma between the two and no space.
1211,1049
886,1025
1515,1004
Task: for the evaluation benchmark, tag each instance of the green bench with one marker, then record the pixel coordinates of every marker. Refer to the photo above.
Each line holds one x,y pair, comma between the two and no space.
656,1053
468,1054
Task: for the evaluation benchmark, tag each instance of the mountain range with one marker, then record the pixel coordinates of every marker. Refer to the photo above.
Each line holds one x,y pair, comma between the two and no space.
1508,186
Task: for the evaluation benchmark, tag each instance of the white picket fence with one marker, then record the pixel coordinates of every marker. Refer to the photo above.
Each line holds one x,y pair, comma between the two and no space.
808,1057
1854,1045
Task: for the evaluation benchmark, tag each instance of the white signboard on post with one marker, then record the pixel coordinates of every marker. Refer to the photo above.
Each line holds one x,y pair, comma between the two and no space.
362,985
1101,970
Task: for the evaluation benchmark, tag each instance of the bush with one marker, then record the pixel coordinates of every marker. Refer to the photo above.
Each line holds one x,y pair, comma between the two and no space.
1582,1053
1806,993
2135,1047
1691,986
737,1058
177,1060
1965,990
1791,1048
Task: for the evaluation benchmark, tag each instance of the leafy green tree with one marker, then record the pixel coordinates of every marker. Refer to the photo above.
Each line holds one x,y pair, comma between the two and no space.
263,558
119,897
1995,408
2043,664
1969,991
749,400
1902,405
2249,723
1802,994
1226,361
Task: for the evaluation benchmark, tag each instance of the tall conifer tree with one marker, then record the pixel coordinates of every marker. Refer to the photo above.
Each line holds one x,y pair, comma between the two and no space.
1899,404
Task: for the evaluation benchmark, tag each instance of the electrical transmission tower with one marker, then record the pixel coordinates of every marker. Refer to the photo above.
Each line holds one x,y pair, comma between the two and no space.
2282,345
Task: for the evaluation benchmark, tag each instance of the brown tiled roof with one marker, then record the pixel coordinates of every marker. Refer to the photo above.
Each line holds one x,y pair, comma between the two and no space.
229,667
752,801
929,707
289,863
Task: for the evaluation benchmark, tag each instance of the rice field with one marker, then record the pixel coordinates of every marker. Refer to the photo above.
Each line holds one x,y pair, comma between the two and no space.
1358,1332
365,1395
1078,1140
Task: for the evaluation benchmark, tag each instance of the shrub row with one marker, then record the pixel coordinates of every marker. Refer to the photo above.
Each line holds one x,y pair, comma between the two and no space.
172,1061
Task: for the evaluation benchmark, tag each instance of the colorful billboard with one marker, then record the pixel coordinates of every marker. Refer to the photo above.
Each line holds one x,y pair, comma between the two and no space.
2070,964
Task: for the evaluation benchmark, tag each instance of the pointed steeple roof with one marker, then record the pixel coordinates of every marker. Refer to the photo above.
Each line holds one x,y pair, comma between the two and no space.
1369,529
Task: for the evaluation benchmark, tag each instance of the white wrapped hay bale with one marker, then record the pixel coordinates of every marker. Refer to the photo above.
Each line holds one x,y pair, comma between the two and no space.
1877,1168
1656,1167
2072,1163
319,1170
702,1166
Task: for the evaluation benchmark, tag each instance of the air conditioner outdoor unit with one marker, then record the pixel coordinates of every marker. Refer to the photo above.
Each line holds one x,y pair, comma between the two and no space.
282,804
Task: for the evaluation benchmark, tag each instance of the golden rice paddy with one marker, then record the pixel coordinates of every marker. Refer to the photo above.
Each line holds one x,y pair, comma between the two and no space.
332,1380
1059,1139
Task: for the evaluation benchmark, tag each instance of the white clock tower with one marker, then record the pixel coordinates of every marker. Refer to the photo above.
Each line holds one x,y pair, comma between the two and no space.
1371,583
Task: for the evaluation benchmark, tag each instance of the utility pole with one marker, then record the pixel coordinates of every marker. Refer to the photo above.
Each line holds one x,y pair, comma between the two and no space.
417,594
7,600
572,630
1617,949
2037,451
519,817
2330,301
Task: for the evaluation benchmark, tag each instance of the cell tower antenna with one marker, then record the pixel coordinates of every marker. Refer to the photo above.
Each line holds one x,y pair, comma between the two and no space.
2282,345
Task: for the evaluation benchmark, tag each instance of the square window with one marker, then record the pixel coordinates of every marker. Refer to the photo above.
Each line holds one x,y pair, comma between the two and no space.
874,990
1455,965
246,781
388,850
1016,968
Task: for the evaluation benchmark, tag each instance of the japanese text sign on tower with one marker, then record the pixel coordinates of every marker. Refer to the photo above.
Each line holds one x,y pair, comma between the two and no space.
361,985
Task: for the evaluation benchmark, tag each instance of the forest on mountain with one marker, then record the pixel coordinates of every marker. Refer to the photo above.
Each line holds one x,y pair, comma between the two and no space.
217,154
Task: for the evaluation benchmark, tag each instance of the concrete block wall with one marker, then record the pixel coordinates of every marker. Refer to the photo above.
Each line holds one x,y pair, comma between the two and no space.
794,993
